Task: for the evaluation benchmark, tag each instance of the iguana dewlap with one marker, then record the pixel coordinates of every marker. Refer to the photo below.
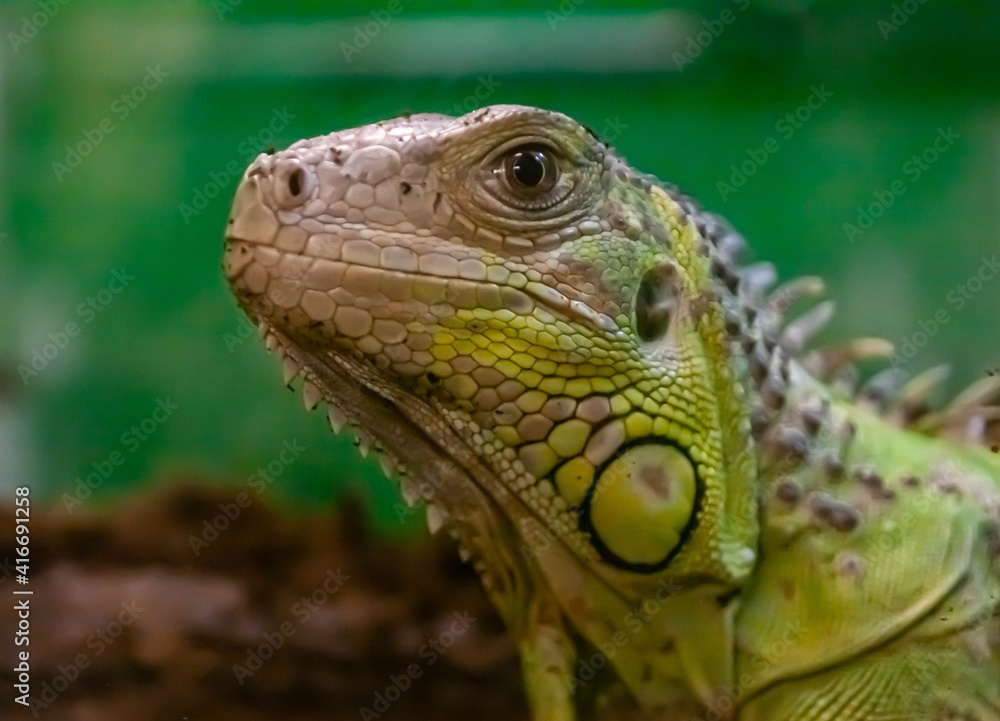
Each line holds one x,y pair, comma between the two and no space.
678,512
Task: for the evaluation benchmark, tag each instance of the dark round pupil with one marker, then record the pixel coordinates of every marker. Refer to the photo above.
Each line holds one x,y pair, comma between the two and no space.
529,168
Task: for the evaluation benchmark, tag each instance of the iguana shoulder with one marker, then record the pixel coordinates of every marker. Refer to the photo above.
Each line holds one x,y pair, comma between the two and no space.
878,572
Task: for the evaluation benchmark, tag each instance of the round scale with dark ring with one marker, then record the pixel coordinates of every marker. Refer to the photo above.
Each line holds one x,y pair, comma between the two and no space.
642,505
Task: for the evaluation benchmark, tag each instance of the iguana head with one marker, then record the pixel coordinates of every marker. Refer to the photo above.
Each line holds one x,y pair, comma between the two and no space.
536,336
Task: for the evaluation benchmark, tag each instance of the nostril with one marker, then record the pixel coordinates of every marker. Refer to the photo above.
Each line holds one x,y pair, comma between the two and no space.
295,182
292,184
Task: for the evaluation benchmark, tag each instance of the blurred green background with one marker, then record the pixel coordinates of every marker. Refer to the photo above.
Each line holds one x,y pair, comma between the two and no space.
123,128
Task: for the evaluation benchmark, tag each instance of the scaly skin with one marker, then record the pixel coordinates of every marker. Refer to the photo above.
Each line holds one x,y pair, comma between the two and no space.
677,512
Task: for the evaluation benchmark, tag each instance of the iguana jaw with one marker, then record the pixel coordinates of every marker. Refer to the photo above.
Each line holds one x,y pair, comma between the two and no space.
434,466
463,496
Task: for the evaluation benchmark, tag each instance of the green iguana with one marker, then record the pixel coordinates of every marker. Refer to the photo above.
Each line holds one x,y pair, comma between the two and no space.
678,510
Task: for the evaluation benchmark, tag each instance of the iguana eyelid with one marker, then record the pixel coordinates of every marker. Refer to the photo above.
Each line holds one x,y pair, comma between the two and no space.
497,153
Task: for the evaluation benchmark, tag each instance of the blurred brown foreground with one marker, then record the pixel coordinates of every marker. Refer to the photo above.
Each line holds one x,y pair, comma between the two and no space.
276,617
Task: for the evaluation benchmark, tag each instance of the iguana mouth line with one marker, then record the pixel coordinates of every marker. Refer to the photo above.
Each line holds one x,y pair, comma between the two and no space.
546,297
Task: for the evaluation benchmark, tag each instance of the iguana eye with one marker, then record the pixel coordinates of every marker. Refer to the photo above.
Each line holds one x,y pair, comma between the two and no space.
654,303
530,169
642,505
528,176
